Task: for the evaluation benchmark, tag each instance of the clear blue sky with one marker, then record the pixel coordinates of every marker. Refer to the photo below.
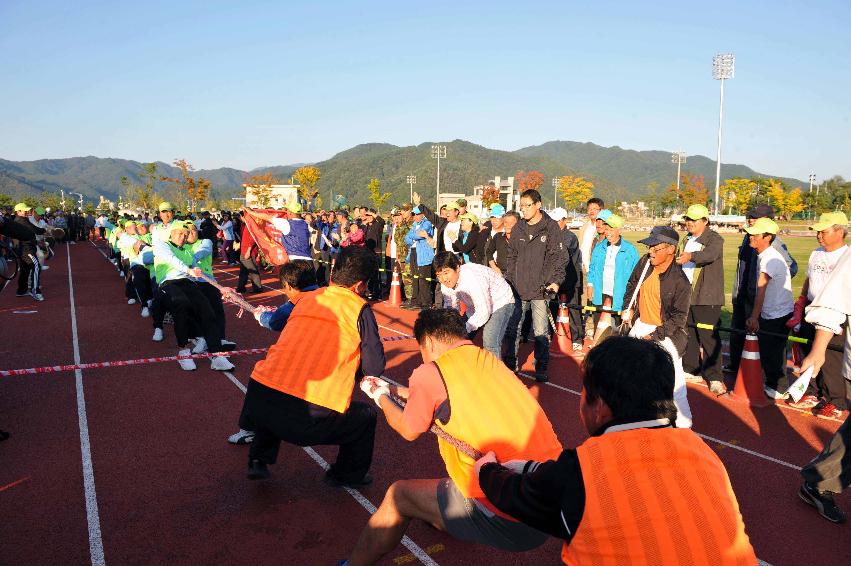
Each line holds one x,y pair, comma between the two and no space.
247,84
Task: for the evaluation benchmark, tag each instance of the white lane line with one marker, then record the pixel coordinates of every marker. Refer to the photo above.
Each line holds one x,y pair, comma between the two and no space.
412,547
705,436
92,515
393,330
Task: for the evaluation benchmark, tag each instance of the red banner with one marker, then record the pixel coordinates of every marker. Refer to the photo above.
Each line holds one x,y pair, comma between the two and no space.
265,235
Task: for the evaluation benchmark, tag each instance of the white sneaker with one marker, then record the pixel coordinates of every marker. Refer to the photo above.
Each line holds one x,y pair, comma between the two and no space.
228,342
131,301
188,365
200,346
145,312
45,267
221,363
772,394
158,335
121,274
242,437
37,296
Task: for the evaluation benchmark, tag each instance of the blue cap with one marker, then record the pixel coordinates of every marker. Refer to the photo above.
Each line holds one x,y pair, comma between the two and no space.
497,211
604,214
417,210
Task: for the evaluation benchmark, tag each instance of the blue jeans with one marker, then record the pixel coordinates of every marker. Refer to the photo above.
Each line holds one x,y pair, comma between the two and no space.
541,329
493,330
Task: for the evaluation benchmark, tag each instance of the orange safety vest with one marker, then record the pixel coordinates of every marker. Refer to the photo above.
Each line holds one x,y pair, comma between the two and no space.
318,352
490,409
656,496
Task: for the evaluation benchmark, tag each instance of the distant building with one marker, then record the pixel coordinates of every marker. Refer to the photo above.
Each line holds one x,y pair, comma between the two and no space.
279,195
633,209
508,197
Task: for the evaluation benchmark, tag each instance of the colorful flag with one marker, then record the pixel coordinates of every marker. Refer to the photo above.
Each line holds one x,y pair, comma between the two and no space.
266,236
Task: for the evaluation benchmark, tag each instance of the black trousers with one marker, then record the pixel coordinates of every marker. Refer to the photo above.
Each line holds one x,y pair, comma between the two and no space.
710,366
277,416
248,271
141,283
424,296
831,470
188,305
373,286
741,311
829,383
29,275
772,349
214,297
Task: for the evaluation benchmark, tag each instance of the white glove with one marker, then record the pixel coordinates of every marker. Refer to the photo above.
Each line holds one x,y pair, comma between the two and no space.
375,387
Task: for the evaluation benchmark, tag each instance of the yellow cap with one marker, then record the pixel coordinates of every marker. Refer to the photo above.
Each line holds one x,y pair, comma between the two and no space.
165,205
294,207
22,207
696,212
614,221
471,217
829,219
453,205
763,226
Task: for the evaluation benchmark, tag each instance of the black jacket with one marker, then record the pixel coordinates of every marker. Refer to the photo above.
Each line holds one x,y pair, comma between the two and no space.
374,232
536,257
473,245
439,224
26,235
675,294
573,268
497,246
208,230
708,284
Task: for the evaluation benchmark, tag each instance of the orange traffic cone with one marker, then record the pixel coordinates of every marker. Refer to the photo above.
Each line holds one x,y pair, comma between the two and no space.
395,298
564,343
749,383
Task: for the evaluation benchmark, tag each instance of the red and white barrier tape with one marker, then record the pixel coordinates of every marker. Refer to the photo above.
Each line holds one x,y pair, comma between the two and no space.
140,361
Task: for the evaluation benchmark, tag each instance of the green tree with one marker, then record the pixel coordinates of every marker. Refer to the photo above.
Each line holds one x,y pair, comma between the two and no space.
308,178
741,192
375,194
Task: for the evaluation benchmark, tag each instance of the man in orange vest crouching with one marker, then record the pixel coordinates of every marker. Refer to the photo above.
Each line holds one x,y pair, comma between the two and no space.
302,392
470,394
639,491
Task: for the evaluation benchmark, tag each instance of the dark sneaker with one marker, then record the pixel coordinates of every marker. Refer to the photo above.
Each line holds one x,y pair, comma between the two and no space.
828,411
332,480
823,502
541,376
257,470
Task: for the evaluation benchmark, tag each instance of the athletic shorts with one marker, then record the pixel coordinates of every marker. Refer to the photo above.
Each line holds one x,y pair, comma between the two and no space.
465,520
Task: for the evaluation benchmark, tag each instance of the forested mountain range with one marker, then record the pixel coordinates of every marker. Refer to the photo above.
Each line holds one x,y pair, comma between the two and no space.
618,173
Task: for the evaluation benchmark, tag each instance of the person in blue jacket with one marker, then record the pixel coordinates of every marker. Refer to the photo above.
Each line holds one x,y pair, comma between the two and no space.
420,237
612,262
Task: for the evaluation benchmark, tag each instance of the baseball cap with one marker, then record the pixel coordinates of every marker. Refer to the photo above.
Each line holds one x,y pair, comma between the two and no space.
497,211
697,211
39,210
761,211
829,219
165,205
343,213
178,225
558,214
453,205
763,226
471,217
416,210
130,223
604,214
22,207
395,212
294,207
462,202
661,235
614,221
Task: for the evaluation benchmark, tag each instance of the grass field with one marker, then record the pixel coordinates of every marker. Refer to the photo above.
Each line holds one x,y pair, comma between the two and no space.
799,246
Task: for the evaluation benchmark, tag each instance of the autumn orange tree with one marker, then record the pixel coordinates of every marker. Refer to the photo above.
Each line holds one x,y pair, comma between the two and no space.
490,195
261,187
194,189
531,180
738,193
307,177
574,190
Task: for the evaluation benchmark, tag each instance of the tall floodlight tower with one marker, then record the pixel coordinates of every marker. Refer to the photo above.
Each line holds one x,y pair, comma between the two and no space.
438,152
555,192
411,180
678,157
723,67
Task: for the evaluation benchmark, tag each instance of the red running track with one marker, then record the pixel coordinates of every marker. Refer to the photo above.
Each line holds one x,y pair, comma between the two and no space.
169,489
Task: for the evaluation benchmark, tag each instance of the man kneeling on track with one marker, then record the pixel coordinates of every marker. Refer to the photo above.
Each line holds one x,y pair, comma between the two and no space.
180,296
638,491
470,394
302,392
296,277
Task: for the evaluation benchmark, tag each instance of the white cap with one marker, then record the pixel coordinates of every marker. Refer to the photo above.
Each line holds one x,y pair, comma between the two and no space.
558,214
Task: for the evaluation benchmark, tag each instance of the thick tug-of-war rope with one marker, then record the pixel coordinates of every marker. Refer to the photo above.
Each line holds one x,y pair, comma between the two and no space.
439,432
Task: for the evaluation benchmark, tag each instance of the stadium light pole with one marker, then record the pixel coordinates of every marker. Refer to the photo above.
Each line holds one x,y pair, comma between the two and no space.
411,180
812,180
723,68
438,152
678,157
81,198
555,192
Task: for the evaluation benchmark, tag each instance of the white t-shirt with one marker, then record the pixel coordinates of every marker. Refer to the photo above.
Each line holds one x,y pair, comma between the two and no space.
692,245
820,267
588,232
392,246
609,269
450,234
778,293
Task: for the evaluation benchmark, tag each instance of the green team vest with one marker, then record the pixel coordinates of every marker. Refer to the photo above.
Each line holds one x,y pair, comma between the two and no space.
128,252
162,269
205,263
147,239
